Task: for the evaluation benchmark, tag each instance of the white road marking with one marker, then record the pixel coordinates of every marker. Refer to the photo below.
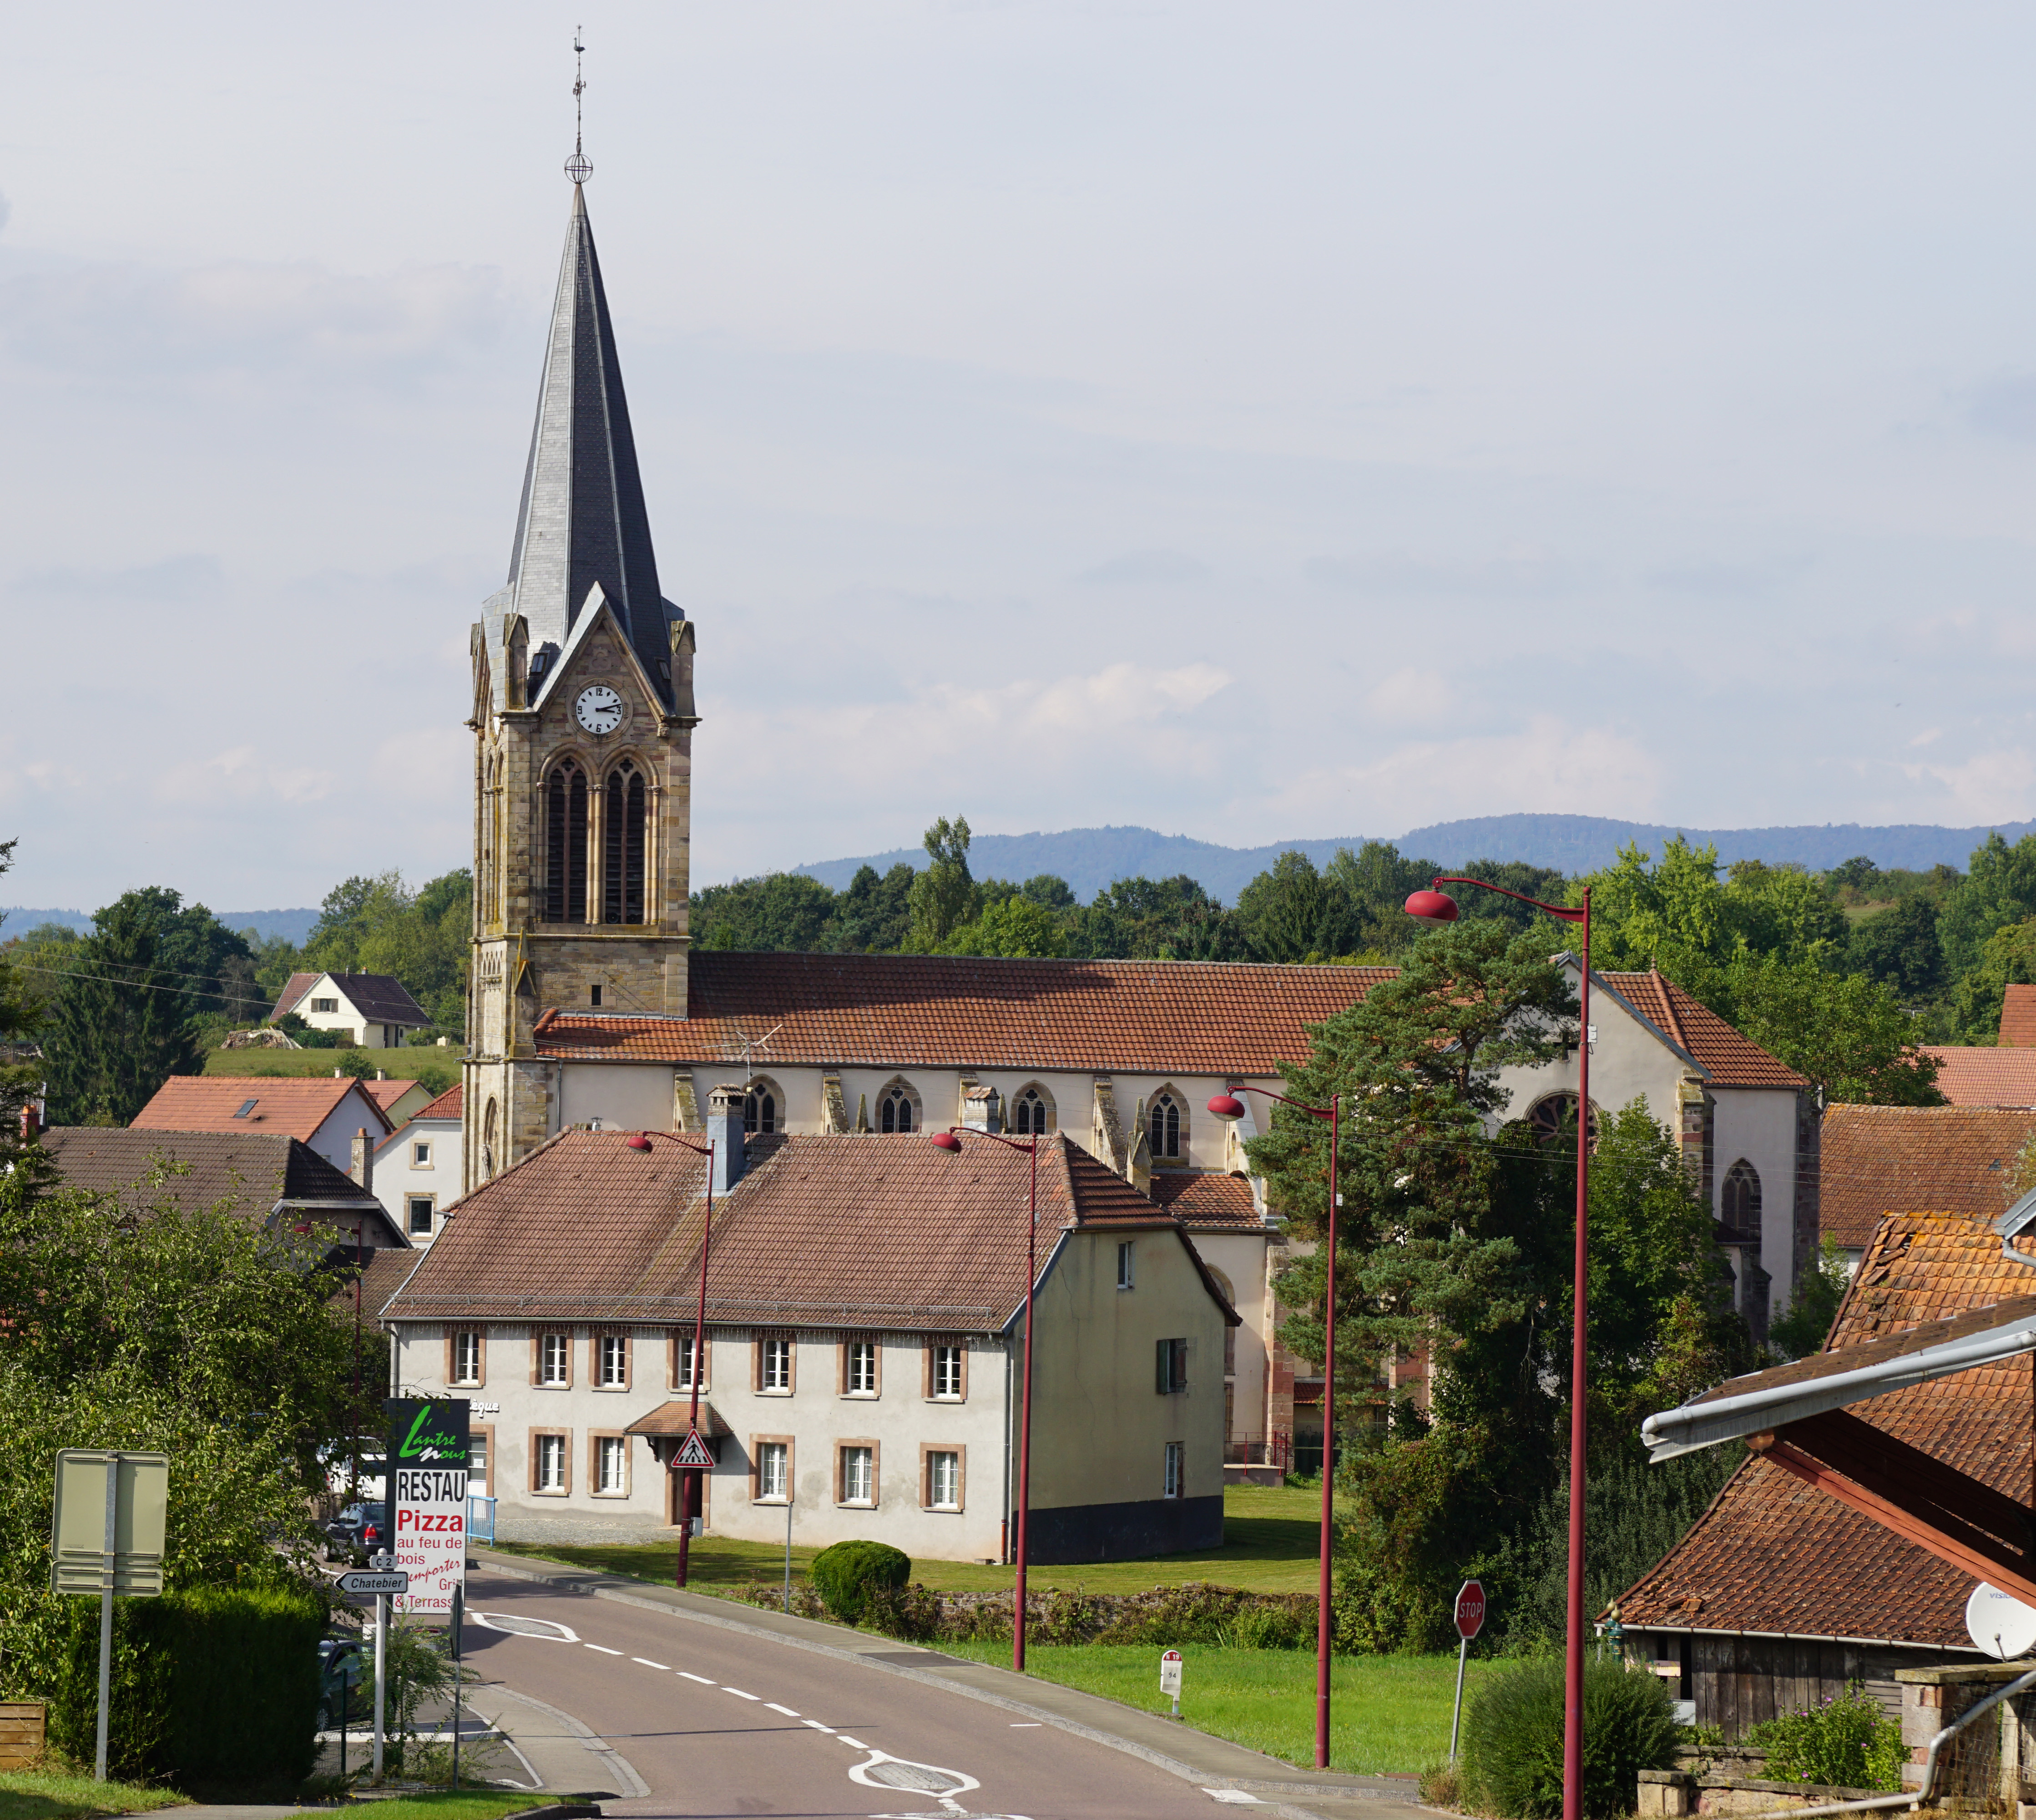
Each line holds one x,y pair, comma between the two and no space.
740,1695
818,1727
1234,1797
853,1743
701,1679
648,1663
775,1707
603,1648
543,1629
1027,1725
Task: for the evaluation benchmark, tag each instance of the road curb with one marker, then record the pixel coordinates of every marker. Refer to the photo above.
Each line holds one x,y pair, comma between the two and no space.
559,1810
1288,1785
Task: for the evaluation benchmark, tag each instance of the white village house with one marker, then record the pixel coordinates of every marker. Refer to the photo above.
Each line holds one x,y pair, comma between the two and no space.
865,1307
418,1167
374,1009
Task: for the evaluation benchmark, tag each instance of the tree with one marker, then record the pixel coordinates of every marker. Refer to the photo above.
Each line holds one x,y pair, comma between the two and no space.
874,914
1814,1306
780,913
2008,958
119,1030
1900,947
1012,926
1849,1034
2000,890
1291,913
943,896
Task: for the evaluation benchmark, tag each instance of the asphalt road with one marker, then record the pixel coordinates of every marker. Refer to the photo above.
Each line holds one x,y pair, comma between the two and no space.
719,1723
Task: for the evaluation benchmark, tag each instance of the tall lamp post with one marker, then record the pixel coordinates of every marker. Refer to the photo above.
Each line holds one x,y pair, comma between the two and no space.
1436,905
1228,1106
690,1483
950,1139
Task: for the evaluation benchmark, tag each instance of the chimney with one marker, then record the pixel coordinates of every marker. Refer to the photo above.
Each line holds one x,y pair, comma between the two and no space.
363,1171
31,1124
724,1130
981,1110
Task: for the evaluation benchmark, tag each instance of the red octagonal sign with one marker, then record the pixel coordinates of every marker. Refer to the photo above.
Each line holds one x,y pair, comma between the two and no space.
1470,1609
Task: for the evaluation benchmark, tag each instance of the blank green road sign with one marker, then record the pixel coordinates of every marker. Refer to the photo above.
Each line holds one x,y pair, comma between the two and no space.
78,1562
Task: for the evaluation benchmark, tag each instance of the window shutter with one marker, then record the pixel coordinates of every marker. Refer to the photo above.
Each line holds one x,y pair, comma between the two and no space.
1164,1368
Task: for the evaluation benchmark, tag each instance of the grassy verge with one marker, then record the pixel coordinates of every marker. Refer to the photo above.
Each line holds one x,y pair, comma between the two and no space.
445,1805
398,1064
49,1795
1389,1715
1270,1535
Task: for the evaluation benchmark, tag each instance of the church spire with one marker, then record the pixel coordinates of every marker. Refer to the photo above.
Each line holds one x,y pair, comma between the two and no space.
581,521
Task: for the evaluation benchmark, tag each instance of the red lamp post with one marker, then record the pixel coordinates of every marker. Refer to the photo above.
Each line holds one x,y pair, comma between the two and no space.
1436,905
1228,1106
948,1139
690,1483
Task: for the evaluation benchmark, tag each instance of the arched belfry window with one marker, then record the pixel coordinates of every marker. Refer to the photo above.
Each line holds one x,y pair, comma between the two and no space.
565,845
1165,1129
622,844
898,1109
763,1108
1738,1200
1032,1112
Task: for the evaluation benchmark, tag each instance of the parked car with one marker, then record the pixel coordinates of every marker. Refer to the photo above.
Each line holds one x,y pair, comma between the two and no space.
344,1533
342,1668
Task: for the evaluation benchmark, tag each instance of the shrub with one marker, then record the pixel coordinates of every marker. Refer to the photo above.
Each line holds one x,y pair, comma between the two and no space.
1273,1627
1512,1738
217,1684
849,1574
1847,1743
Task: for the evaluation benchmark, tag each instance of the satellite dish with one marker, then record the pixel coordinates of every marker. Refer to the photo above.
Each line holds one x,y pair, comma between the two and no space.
1999,1624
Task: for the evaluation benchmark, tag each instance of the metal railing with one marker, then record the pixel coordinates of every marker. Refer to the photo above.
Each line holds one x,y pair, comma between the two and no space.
1259,1450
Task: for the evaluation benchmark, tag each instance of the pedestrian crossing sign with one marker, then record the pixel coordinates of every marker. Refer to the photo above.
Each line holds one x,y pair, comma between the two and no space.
692,1451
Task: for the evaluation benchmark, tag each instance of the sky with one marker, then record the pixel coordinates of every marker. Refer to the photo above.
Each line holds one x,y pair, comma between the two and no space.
1252,423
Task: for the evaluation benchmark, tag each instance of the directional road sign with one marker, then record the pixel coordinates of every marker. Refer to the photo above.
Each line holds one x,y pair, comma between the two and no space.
382,1586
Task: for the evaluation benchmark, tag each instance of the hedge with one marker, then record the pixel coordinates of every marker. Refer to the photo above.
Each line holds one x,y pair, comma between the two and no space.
216,1684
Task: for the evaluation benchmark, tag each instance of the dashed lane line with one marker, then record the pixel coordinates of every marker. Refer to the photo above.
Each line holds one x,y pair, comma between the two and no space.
853,1743
701,1679
648,1663
740,1695
604,1649
818,1727
775,1707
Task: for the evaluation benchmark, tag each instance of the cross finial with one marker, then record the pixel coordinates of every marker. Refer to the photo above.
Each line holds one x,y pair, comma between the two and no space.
577,166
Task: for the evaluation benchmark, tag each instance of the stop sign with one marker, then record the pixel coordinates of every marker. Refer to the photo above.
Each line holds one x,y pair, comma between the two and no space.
1470,1610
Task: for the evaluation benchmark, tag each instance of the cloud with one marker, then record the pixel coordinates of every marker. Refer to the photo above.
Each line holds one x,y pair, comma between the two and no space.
173,579
241,775
1409,697
1709,578
1529,573
1996,787
246,316
1145,568
2003,407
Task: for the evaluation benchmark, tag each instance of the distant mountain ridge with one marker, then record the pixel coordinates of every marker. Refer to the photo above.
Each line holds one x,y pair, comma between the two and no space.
1091,858
292,924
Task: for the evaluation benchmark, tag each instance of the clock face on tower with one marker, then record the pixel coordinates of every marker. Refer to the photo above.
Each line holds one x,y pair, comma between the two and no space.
598,709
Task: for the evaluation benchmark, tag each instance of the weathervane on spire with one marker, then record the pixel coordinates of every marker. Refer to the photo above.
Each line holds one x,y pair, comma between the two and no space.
577,168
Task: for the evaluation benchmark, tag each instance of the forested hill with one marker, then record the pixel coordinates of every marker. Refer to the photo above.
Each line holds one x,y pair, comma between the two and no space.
1090,859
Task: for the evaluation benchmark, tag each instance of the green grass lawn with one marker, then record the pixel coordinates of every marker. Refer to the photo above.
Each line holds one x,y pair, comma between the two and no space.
397,1063
46,1795
1389,1715
443,1804
1270,1534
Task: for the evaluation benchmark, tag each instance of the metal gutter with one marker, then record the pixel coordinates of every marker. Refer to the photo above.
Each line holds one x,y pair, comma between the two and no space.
1800,1636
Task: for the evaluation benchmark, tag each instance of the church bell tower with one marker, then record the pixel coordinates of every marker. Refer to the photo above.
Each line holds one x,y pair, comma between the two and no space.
582,739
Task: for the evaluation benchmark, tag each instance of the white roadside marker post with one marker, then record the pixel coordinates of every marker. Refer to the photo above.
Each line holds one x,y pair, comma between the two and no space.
1170,1677
106,1612
381,1674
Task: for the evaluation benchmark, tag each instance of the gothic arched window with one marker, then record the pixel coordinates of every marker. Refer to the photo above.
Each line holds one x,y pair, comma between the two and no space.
897,1109
760,1103
1555,1117
1164,1133
1031,1112
1739,1201
622,843
565,845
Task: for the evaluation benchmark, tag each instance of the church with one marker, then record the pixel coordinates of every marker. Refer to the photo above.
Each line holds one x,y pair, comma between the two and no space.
588,1010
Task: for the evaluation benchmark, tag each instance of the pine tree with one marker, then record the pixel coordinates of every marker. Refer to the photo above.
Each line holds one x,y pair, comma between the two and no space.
119,1030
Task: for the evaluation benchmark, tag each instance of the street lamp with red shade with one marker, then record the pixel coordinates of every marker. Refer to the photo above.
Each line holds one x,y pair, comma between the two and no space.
1435,905
1228,1106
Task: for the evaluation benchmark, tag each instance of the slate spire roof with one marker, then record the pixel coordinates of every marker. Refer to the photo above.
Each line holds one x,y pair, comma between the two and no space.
581,521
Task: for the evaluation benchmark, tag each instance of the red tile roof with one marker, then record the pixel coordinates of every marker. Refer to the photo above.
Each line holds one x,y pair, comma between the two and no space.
1882,1159
1731,1060
1201,1198
294,989
294,1105
829,1230
2018,1017
933,1011
385,1093
386,1272
937,1011
1771,1555
448,1105
1986,1076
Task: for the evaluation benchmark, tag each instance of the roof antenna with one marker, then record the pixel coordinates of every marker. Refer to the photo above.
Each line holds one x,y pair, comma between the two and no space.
577,166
